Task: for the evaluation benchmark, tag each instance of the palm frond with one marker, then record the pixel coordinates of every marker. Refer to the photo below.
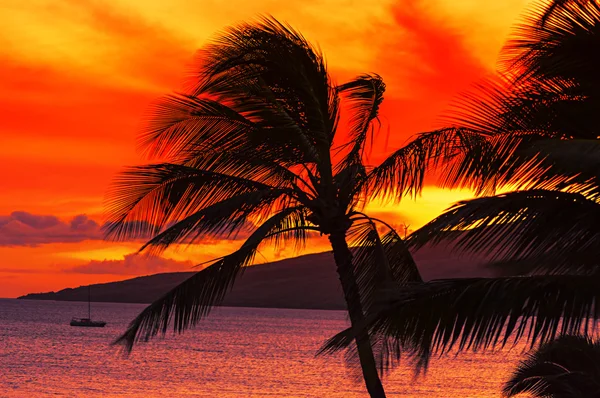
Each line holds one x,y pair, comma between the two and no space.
271,61
206,134
543,12
224,219
380,264
506,116
392,249
557,164
350,180
182,125
479,313
566,367
186,304
145,199
485,106
403,267
521,224
554,40
403,172
180,122
509,120
365,94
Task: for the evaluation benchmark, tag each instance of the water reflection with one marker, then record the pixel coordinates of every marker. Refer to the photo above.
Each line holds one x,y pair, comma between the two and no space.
236,352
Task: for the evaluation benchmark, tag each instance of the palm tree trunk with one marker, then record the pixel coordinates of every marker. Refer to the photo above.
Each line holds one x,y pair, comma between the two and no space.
343,260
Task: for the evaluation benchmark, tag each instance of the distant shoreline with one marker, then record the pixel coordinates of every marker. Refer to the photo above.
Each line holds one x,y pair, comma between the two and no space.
145,304
305,282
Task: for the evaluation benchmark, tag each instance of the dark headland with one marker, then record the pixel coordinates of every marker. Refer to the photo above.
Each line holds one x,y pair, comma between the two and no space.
308,281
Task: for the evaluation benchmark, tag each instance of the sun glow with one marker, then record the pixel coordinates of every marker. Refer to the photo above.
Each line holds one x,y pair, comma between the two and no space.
79,75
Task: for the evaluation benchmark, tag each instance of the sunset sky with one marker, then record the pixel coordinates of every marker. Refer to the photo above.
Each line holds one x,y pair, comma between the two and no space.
77,76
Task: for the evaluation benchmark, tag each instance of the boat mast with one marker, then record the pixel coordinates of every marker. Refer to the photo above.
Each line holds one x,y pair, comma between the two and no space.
89,304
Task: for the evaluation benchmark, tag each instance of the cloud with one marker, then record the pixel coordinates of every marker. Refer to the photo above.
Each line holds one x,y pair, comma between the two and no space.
76,81
142,46
132,264
426,61
113,42
21,228
25,229
437,58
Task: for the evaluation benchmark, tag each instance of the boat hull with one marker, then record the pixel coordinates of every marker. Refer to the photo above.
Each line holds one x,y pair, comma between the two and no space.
87,323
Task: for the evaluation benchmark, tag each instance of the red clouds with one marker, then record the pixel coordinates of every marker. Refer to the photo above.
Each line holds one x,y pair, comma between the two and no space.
78,76
426,61
25,229
133,264
72,93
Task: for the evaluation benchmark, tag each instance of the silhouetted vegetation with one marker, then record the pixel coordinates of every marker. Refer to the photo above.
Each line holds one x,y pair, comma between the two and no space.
568,367
533,130
254,147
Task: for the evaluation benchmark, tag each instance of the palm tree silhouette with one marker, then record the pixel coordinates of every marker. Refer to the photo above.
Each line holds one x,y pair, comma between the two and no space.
252,147
568,367
534,130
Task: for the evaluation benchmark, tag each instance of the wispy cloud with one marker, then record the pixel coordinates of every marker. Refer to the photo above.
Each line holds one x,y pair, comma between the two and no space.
426,61
132,264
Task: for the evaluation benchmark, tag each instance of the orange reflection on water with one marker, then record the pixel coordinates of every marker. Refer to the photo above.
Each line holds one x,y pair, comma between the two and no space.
235,352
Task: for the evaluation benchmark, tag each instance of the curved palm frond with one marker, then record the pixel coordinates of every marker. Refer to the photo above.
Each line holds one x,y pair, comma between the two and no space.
522,224
183,125
566,367
365,94
272,62
206,134
549,9
557,164
397,257
512,112
145,199
224,219
178,122
186,304
379,262
350,184
401,263
485,108
403,172
510,120
479,313
496,126
554,42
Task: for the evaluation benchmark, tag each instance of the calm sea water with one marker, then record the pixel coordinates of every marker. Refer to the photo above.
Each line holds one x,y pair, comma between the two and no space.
236,352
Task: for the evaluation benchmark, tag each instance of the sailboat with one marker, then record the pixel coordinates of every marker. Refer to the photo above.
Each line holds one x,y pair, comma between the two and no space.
87,322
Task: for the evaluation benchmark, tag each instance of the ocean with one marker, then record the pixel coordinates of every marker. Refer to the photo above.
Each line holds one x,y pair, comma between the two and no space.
235,352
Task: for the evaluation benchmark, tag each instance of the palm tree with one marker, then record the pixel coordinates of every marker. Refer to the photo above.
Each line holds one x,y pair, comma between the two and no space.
534,130
252,147
568,367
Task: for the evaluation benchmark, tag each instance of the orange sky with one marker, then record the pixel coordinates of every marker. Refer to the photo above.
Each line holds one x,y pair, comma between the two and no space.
78,74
